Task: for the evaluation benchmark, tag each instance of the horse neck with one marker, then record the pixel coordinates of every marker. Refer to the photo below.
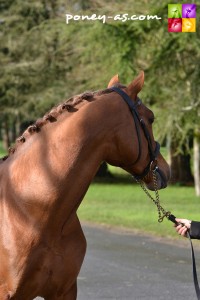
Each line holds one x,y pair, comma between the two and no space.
52,172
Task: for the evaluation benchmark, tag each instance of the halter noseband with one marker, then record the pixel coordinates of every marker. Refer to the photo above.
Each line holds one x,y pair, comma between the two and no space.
139,122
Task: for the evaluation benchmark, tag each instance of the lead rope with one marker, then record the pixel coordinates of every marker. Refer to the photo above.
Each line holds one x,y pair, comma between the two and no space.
162,213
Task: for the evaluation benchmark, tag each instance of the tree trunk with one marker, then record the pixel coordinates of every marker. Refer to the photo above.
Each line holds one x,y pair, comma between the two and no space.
180,166
197,161
5,134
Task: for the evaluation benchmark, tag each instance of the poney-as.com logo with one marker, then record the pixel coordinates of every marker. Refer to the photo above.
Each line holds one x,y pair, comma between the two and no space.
182,17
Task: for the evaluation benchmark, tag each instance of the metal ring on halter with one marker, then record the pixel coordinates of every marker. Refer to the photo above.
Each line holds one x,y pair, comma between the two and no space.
153,165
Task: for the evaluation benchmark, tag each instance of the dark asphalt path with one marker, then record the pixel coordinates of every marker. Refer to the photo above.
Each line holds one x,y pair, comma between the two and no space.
127,266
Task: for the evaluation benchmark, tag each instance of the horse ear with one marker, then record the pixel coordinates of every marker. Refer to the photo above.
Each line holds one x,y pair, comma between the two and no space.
113,81
136,85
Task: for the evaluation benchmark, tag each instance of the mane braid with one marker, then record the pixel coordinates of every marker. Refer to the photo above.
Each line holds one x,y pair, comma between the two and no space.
52,115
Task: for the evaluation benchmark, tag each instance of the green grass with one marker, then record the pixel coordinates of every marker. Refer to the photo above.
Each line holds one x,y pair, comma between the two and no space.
126,205
2,150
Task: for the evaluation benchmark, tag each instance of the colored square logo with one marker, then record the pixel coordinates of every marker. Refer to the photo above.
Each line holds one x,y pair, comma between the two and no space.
175,25
182,17
188,10
188,25
175,11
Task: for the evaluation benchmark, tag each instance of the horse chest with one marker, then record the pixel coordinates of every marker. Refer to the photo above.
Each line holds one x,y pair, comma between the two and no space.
54,263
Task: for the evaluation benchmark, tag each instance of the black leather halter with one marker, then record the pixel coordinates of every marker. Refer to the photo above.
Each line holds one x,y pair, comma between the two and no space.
153,153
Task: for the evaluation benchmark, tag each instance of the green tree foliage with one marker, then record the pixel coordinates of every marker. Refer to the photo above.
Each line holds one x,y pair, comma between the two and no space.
44,60
35,57
175,61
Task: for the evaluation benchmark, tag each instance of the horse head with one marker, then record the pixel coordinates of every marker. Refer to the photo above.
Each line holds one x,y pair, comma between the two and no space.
134,148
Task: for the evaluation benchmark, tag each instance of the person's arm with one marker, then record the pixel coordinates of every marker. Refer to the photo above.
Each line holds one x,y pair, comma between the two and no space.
192,226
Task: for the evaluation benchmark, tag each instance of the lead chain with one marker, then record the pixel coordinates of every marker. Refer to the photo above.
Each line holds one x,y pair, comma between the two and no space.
162,213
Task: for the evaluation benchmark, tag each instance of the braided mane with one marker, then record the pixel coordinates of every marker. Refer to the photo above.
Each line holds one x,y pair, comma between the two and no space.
69,105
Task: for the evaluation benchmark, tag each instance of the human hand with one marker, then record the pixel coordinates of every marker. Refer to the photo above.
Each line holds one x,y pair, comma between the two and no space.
183,226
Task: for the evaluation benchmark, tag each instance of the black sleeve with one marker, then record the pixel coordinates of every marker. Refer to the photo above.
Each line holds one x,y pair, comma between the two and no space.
195,230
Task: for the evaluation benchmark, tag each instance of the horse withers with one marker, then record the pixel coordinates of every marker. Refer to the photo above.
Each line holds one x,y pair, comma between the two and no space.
46,175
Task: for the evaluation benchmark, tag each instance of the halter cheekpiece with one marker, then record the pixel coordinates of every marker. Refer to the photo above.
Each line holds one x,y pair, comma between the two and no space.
139,122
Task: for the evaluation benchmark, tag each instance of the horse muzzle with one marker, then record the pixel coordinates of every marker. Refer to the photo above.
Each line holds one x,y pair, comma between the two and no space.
160,180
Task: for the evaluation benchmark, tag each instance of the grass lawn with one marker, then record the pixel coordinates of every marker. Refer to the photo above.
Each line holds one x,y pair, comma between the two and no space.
126,205
2,151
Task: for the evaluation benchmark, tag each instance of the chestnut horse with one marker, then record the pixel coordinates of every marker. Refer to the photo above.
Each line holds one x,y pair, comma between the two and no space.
45,177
